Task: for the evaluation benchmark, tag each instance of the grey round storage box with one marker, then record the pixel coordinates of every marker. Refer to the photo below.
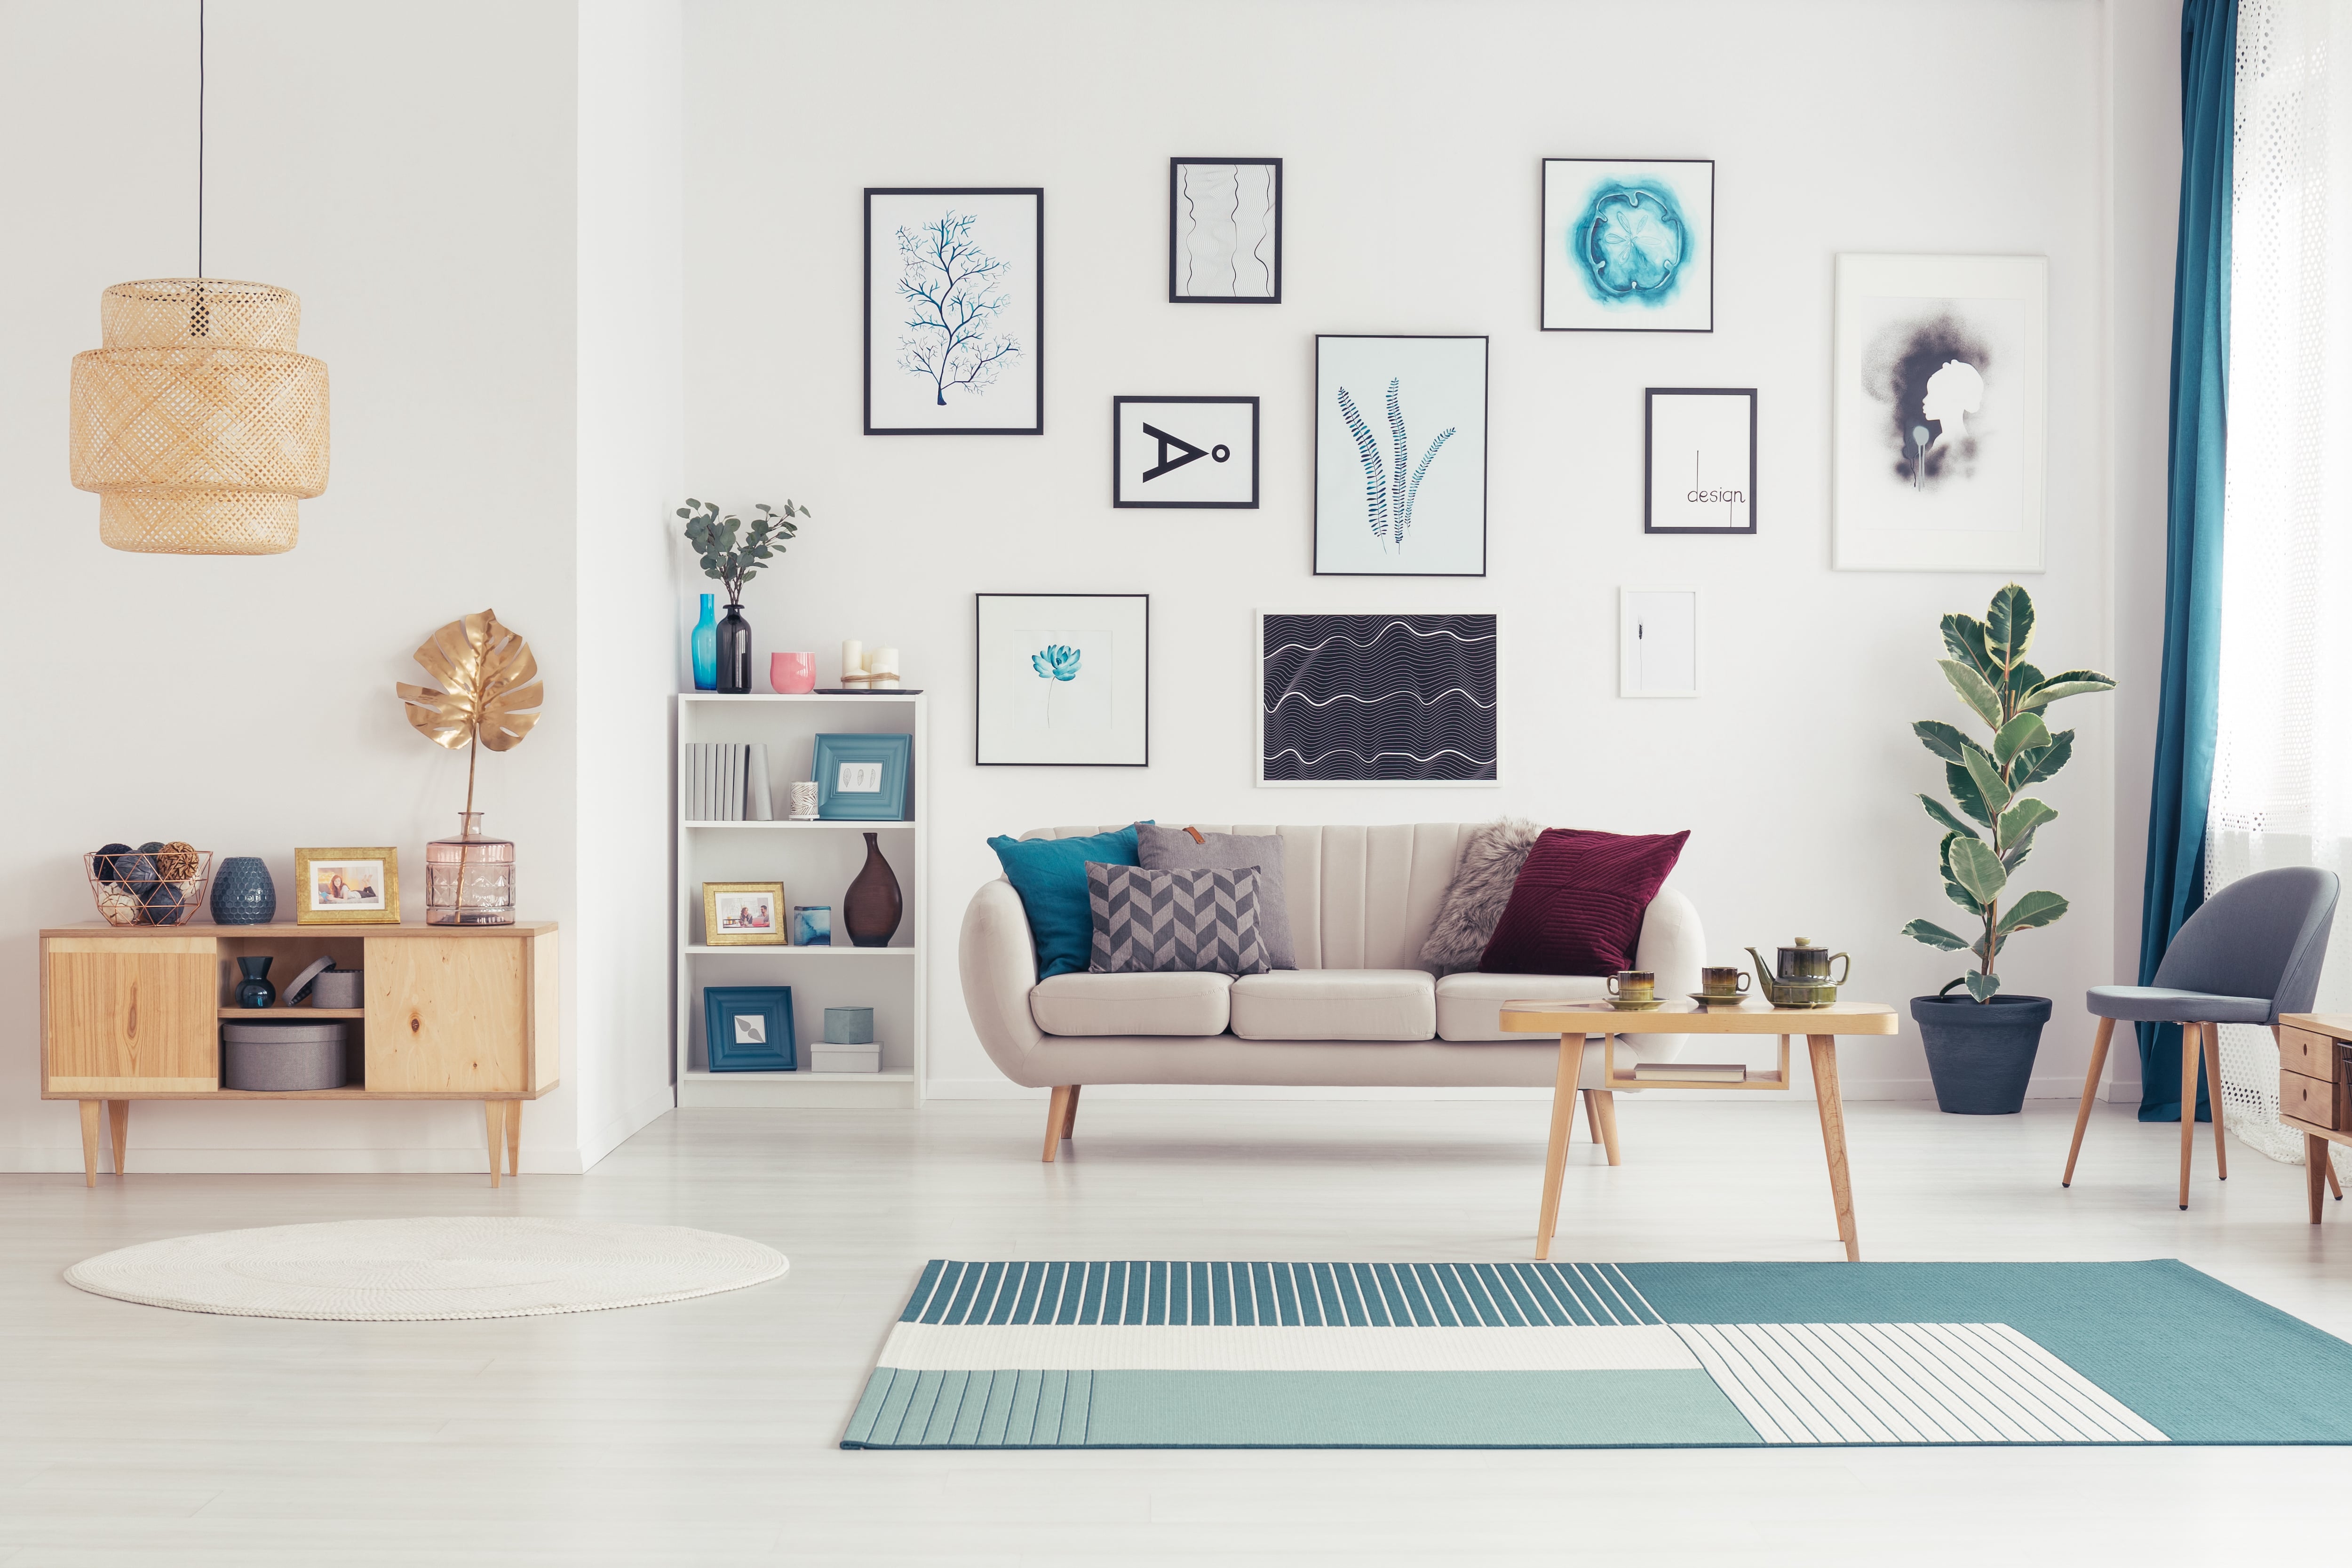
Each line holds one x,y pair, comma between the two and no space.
278,1057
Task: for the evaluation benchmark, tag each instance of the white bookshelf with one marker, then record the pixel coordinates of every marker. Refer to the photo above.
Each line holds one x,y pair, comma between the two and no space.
816,861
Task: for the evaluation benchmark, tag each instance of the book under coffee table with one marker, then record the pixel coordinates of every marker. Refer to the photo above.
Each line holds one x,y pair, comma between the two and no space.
1576,1021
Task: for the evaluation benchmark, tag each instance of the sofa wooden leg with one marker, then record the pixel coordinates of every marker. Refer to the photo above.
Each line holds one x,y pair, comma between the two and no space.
1070,1117
1607,1101
1057,1119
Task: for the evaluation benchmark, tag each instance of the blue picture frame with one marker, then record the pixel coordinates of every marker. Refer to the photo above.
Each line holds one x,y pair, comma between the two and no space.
886,802
765,1011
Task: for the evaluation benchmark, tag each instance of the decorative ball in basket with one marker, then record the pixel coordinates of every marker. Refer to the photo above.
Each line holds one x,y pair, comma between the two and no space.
156,884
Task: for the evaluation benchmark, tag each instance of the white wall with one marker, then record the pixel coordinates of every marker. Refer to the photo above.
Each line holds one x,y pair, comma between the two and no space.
1412,134
411,175
630,468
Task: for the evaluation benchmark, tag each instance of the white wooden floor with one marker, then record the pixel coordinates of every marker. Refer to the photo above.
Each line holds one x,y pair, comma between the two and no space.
704,1431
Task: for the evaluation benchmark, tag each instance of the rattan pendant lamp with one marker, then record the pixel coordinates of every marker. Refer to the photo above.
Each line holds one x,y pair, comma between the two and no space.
197,425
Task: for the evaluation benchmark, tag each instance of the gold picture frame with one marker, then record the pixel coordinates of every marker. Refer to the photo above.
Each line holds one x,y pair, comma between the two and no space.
354,886
739,923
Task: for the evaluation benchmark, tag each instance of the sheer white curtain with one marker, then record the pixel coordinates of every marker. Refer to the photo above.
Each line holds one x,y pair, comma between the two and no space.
2282,767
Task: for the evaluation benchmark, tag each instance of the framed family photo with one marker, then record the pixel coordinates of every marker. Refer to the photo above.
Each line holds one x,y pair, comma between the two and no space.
358,887
743,914
955,311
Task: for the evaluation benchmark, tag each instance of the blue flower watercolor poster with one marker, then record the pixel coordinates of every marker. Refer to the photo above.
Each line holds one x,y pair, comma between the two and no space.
1063,679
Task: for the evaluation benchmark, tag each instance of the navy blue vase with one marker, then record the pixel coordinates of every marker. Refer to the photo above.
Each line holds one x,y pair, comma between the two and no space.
242,894
254,989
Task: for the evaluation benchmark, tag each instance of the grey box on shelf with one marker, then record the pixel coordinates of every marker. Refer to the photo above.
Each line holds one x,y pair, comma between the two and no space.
339,988
849,1025
845,1058
276,1057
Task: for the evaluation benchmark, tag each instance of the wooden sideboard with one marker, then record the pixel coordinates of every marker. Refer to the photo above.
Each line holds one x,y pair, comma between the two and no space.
2316,1091
452,1013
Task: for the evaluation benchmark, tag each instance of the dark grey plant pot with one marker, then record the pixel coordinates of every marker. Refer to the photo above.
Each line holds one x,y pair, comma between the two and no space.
1980,1054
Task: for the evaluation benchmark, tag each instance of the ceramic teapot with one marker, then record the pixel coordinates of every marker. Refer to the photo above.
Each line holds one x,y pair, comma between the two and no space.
1801,979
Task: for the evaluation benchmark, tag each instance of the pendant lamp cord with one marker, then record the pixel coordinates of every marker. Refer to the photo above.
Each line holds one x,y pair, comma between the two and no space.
200,137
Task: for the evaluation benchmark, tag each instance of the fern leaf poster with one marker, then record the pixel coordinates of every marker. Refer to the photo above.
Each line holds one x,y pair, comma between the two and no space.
1400,456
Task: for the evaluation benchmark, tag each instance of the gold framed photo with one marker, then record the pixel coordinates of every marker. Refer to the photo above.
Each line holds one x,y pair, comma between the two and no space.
743,914
347,887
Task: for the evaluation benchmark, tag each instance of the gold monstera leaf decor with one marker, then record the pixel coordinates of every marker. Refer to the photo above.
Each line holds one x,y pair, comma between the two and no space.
489,691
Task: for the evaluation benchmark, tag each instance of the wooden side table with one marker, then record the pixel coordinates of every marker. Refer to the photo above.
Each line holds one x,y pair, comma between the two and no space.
1576,1022
452,1013
2316,1092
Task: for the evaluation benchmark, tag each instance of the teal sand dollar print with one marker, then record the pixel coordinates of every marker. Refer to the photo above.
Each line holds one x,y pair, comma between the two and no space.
1629,245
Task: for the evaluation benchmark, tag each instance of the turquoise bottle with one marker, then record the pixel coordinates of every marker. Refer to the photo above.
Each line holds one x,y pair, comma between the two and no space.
706,649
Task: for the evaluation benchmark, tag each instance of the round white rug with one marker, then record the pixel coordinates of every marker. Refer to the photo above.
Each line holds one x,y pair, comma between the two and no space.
395,1270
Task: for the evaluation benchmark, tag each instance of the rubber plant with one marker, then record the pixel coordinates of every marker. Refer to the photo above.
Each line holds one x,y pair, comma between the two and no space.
1993,829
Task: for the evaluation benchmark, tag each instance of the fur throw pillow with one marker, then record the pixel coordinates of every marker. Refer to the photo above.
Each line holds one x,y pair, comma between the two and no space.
1481,892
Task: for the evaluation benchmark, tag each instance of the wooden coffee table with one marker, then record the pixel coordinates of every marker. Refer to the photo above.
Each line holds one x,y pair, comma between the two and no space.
1575,1022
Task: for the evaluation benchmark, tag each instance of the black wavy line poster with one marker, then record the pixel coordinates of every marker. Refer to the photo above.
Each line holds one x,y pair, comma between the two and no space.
1377,699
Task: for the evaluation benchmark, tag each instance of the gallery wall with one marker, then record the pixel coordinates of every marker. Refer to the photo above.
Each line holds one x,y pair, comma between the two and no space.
1412,135
420,199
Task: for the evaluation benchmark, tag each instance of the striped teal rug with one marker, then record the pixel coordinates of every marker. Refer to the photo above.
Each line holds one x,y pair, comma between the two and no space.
1566,1355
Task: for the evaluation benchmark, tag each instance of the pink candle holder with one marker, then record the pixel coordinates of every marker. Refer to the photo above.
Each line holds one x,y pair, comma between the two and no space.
791,672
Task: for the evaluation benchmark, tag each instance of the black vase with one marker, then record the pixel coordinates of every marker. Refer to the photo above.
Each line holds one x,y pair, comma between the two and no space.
254,989
871,912
734,651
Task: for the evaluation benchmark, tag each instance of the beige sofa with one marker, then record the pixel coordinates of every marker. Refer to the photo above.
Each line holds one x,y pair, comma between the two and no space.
1361,1009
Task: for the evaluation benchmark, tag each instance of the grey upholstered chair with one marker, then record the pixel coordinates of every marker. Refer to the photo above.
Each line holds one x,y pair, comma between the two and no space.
2251,953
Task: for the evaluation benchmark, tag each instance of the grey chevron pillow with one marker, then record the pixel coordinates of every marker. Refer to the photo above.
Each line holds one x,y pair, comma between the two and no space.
1158,922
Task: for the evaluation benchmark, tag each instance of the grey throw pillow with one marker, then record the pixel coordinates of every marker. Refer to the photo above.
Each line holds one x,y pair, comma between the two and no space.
1481,887
1161,922
1173,849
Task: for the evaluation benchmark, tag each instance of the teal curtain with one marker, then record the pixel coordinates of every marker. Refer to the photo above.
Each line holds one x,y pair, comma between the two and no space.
2188,700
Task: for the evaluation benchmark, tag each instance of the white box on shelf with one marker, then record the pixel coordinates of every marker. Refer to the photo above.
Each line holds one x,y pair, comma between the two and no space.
845,1058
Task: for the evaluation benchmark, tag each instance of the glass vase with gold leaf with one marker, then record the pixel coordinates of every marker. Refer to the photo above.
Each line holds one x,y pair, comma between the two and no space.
488,693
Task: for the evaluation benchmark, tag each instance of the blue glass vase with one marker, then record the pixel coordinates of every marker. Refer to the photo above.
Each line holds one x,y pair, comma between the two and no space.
706,648
242,893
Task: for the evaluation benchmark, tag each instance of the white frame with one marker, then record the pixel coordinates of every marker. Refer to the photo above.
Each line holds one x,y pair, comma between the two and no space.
1258,701
1859,543
1627,650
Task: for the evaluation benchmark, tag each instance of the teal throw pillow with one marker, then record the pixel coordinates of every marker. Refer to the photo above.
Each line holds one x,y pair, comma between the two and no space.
1050,875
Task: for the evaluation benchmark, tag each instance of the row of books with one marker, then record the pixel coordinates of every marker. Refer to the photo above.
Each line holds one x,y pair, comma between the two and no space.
727,781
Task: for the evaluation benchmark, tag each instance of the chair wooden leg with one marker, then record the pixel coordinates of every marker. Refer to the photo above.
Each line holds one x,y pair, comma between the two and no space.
1608,1101
1070,1117
1057,1116
2314,1162
2090,1093
118,1122
2212,1032
2189,1048
89,1116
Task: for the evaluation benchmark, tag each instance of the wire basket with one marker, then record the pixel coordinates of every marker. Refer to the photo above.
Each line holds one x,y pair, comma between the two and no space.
156,888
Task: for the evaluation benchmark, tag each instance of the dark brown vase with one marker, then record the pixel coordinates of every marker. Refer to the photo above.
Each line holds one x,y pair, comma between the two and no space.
870,913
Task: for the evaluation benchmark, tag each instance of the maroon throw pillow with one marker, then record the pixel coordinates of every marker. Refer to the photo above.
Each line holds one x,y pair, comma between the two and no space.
1576,906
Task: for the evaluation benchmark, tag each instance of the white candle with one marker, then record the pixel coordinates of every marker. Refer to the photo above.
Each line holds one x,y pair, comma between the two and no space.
853,659
882,661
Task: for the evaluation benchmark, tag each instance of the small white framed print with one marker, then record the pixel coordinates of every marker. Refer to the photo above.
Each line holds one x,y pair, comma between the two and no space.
1698,447
1184,452
1657,642
1063,679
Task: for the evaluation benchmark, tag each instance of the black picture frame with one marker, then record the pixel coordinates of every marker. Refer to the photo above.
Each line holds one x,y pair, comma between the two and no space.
979,683
1485,453
1650,396
865,340
1544,244
1118,434
1176,296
